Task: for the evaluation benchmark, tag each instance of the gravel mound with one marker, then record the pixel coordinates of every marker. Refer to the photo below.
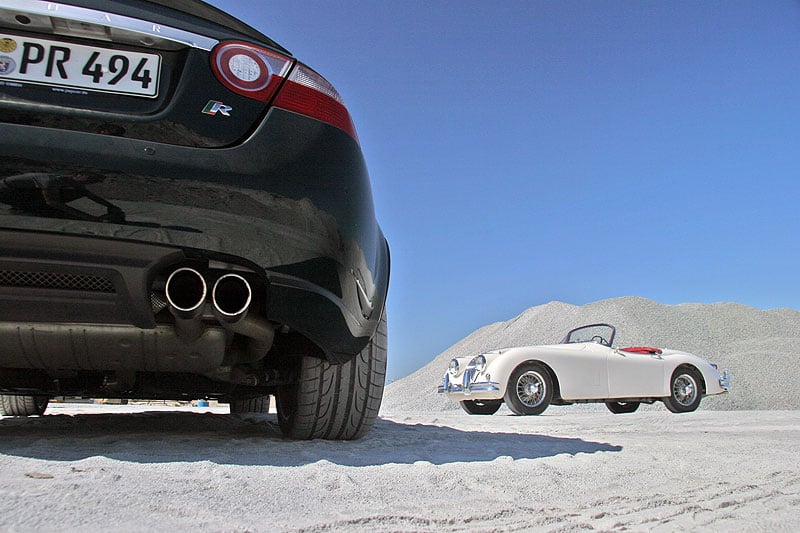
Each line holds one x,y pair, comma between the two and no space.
758,347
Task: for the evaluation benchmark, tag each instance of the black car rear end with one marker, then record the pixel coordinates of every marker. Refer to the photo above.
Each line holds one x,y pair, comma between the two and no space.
184,212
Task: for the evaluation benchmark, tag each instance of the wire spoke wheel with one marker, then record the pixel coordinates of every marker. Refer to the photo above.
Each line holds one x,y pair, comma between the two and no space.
531,389
684,390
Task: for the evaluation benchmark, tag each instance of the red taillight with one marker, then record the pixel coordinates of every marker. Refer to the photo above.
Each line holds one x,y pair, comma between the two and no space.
249,70
308,93
257,73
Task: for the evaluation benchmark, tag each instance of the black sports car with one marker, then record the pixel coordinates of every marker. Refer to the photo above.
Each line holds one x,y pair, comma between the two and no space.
185,213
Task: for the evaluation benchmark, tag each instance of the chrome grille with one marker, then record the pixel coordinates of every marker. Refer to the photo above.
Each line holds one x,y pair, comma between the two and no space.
54,280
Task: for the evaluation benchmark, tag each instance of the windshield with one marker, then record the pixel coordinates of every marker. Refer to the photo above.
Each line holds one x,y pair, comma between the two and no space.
599,333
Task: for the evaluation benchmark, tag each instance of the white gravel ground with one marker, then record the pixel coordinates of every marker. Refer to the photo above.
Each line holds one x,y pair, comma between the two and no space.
135,468
427,467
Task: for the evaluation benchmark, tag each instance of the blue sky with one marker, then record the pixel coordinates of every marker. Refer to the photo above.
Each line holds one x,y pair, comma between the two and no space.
533,151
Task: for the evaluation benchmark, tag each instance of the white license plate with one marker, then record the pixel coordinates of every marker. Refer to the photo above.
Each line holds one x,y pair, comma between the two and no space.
75,66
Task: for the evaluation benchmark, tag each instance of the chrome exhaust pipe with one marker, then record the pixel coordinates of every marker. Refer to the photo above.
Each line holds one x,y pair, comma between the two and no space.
186,291
231,298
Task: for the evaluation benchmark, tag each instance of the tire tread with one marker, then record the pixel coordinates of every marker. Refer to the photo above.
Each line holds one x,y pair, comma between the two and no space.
11,405
339,402
259,404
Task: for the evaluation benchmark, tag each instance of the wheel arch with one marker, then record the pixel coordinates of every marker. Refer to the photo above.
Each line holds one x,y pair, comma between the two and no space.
548,369
697,372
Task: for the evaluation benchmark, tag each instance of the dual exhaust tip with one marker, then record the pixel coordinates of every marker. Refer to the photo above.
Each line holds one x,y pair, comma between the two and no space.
187,291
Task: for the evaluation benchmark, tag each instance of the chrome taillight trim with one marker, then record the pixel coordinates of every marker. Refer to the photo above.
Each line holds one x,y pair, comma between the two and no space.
111,20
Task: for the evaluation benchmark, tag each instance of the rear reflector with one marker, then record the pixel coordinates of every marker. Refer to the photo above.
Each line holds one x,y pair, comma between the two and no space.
308,93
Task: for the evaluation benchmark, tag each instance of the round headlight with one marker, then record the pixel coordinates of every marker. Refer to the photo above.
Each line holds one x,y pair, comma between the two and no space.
453,367
479,362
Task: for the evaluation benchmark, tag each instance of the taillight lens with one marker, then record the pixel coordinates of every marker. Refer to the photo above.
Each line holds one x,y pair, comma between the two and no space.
249,70
257,73
308,93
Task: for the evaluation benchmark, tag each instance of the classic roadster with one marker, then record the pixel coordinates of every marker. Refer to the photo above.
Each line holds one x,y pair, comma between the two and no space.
583,368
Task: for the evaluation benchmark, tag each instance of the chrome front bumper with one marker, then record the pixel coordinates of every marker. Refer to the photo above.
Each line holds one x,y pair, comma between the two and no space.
466,386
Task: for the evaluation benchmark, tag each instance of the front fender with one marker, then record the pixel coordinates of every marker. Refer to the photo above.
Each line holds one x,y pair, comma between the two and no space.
712,379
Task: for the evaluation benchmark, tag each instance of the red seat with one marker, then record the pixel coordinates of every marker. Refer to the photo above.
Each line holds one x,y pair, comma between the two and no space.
642,349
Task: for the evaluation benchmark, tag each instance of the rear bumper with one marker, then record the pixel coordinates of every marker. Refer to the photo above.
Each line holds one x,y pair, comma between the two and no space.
292,205
80,280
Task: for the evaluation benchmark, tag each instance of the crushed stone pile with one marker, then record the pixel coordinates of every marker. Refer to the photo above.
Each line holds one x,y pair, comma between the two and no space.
758,347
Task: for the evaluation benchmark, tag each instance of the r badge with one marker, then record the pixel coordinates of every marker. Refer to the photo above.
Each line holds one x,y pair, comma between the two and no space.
213,107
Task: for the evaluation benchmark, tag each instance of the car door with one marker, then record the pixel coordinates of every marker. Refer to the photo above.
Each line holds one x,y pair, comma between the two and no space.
634,375
581,369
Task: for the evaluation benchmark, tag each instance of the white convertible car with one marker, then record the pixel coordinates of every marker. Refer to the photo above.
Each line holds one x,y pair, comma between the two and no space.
584,367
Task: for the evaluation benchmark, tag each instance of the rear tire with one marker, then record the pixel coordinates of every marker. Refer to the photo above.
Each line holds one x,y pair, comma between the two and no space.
619,408
335,402
481,407
22,405
259,404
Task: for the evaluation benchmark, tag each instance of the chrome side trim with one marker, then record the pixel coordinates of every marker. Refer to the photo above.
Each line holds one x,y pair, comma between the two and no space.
111,20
